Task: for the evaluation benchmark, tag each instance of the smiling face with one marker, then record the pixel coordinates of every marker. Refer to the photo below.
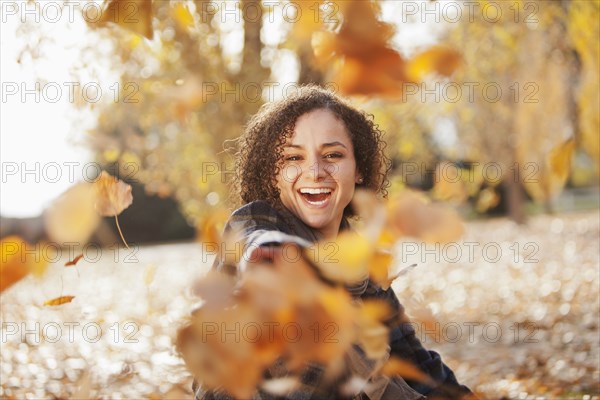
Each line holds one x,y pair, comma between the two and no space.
318,172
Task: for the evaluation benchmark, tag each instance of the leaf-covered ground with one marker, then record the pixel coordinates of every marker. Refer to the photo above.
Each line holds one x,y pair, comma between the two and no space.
514,310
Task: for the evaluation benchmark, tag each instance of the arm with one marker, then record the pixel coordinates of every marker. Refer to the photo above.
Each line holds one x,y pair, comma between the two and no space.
258,225
405,345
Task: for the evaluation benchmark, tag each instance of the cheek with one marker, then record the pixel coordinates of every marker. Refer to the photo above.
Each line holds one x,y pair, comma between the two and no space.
289,174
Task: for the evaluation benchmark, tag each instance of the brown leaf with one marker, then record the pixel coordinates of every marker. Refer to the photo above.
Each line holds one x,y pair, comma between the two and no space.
59,300
113,195
74,261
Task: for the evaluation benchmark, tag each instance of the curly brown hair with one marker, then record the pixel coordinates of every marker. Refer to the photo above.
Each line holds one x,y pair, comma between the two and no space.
260,147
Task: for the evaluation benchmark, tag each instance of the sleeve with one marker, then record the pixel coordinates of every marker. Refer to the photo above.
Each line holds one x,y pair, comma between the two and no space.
404,344
259,225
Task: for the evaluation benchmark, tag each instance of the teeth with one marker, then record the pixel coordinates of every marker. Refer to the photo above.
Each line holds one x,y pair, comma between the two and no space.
315,191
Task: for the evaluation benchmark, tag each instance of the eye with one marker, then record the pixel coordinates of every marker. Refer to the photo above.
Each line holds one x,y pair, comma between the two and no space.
333,155
292,158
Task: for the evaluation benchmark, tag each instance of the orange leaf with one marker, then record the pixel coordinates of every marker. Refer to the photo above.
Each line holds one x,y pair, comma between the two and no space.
74,261
59,300
113,195
437,59
412,215
18,261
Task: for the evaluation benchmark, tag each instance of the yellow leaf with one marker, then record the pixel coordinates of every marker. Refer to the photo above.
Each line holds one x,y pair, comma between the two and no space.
182,15
379,267
343,260
59,301
71,217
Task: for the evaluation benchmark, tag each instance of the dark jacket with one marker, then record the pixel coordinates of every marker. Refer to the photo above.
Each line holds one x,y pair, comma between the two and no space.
261,225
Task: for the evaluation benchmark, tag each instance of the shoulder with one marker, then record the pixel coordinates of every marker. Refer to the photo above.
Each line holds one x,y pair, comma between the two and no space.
255,208
255,215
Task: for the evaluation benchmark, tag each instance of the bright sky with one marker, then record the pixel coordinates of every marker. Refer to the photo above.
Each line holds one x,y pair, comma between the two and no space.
42,135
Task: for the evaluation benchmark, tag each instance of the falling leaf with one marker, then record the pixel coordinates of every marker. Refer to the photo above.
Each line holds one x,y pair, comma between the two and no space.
71,217
362,60
437,59
344,259
182,15
133,15
373,335
411,214
18,260
379,267
112,195
74,261
59,300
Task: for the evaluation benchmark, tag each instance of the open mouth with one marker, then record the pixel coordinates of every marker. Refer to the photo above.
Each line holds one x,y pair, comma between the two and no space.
315,196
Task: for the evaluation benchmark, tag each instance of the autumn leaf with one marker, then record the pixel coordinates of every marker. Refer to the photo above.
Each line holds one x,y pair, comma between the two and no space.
373,335
133,15
344,259
71,217
365,62
59,301
18,260
112,197
379,267
437,59
74,261
182,15
412,215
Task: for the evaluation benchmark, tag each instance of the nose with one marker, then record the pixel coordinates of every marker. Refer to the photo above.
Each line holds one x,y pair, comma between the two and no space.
318,170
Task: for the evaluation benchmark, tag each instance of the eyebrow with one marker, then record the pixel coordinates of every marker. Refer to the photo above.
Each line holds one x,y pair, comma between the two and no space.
329,144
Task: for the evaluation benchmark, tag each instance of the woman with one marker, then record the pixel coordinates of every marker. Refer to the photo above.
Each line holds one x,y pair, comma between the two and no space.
298,165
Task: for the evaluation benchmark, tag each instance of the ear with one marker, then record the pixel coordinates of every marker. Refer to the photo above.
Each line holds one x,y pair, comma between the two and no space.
359,179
